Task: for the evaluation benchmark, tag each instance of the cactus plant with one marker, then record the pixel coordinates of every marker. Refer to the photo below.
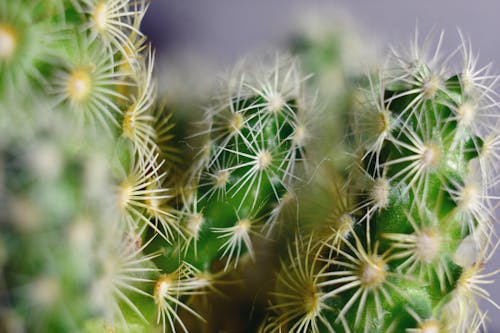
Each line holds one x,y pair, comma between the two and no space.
102,231
254,153
407,249
251,153
79,75
338,57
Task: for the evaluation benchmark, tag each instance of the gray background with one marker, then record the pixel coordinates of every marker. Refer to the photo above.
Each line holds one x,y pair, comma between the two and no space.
219,32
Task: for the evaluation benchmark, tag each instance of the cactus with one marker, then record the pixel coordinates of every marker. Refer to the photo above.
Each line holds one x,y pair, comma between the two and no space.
254,151
106,226
408,246
85,158
251,154
427,196
338,57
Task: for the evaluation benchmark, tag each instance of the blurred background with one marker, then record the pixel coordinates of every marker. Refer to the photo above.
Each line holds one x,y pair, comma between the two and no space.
224,30
210,36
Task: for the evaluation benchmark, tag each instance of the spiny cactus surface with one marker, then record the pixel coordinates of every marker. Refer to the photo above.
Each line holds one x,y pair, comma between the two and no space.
84,163
412,225
268,228
253,152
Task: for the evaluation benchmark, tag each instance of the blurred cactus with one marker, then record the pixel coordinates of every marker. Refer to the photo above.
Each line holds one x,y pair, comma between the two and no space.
79,75
338,57
106,225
